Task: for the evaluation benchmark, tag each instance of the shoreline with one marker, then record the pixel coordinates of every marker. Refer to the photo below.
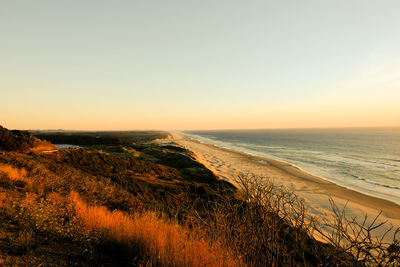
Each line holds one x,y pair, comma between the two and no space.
316,191
294,169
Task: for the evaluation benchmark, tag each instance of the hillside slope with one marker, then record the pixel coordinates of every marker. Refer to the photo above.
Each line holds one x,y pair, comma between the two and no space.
71,206
124,200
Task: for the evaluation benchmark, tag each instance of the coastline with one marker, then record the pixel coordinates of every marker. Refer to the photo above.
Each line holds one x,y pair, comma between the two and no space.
316,191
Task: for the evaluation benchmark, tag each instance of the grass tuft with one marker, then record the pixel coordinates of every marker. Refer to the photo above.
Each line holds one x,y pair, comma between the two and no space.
163,242
16,176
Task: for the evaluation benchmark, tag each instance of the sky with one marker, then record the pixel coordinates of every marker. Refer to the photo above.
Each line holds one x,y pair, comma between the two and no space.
210,64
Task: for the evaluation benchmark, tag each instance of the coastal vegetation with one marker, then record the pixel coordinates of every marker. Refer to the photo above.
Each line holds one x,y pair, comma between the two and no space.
21,141
124,200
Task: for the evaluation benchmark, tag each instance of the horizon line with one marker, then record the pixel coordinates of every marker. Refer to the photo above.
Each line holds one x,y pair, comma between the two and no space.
214,129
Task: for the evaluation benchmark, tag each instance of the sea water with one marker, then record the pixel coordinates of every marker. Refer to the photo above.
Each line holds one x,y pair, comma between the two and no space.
365,159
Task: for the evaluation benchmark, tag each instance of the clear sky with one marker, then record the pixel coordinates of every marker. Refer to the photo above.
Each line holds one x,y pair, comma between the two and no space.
208,64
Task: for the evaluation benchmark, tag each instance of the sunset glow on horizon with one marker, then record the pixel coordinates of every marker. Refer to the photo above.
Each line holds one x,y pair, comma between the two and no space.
181,65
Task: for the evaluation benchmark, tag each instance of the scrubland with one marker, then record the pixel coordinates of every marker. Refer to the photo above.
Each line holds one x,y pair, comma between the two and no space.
157,206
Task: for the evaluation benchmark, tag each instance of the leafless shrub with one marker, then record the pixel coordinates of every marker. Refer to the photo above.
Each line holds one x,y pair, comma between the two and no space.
271,225
360,238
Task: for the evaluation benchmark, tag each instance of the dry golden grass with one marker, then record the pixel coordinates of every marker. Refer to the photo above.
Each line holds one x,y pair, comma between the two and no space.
43,147
17,176
13,173
163,242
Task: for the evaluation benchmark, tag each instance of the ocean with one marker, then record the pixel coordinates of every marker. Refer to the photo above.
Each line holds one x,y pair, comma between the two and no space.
363,159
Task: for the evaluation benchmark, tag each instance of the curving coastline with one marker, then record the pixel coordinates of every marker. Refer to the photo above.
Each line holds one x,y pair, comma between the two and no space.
228,163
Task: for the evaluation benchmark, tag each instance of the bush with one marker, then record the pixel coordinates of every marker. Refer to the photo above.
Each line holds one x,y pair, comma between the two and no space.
270,225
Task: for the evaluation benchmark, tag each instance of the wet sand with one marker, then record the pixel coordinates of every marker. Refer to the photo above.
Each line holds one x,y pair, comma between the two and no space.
316,192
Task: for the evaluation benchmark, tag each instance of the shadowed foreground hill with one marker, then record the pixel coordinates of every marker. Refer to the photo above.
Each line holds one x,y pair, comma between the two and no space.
119,202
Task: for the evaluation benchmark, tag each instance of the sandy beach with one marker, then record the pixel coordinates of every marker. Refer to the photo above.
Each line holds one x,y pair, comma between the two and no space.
227,164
